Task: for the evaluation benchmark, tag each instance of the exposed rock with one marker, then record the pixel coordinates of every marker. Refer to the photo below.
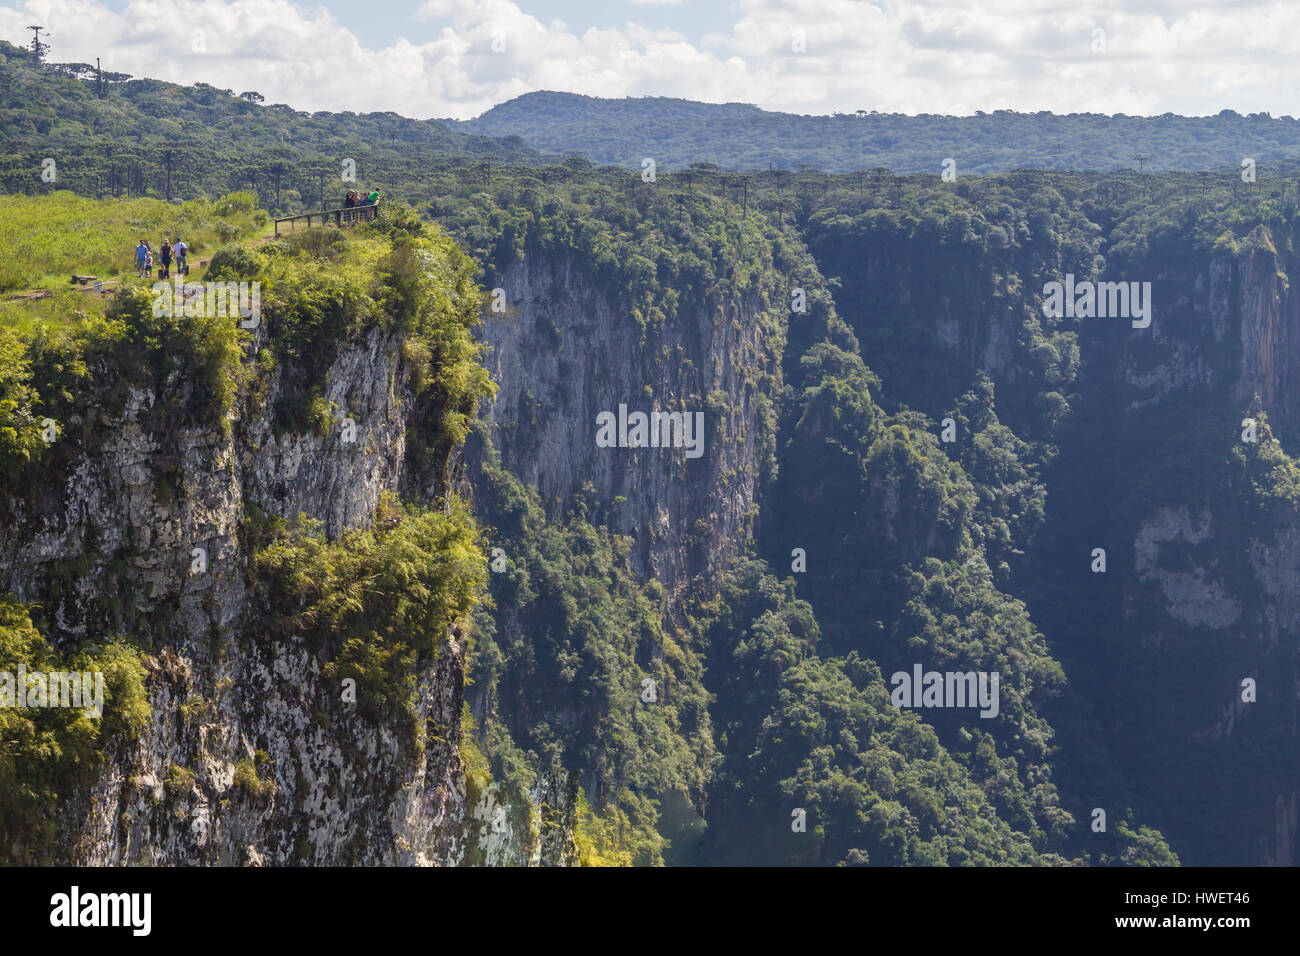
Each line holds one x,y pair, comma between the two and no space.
566,351
249,757
1193,597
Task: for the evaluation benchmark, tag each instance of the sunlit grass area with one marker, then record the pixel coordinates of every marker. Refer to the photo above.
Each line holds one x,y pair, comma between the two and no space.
45,240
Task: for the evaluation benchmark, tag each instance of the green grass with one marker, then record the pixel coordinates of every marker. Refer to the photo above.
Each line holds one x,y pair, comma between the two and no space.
44,240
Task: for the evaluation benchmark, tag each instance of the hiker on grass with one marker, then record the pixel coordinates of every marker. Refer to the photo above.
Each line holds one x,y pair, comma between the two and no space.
165,255
148,259
141,259
178,250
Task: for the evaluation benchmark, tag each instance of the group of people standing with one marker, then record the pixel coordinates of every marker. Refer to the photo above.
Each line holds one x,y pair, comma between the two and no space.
176,249
168,251
355,199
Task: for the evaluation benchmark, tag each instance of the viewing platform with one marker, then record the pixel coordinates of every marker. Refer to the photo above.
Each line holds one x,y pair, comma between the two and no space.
342,216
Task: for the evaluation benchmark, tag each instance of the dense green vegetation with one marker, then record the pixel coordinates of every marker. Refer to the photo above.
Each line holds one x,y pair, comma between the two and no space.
961,534
677,133
48,753
809,732
379,601
578,672
1061,450
145,137
651,248
929,584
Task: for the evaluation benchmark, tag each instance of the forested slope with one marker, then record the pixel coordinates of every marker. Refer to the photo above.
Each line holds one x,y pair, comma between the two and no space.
737,136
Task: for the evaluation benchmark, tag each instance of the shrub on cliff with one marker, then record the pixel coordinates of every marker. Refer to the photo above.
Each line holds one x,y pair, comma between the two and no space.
47,751
19,430
378,601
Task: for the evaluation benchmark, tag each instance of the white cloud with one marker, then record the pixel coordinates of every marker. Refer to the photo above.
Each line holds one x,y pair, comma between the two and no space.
937,56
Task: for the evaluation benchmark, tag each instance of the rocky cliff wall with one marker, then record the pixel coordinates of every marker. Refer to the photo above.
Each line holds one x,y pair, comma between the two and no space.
566,350
250,755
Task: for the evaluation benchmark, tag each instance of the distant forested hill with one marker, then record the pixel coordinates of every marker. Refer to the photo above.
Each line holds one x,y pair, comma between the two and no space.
677,133
111,134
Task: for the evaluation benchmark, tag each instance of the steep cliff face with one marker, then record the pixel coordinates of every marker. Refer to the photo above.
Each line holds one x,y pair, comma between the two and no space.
1198,512
1185,639
1211,618
1224,554
1226,321
1269,329
566,350
251,756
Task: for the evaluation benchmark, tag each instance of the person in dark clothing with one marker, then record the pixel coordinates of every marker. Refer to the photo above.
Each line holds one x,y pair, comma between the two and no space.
165,255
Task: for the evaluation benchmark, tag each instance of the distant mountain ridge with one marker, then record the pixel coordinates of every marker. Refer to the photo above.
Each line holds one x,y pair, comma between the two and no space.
676,133
147,136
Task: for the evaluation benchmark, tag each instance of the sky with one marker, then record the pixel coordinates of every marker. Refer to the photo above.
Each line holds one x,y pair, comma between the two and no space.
458,58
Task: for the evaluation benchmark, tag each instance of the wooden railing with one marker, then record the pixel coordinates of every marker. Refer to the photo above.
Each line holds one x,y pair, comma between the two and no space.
343,216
